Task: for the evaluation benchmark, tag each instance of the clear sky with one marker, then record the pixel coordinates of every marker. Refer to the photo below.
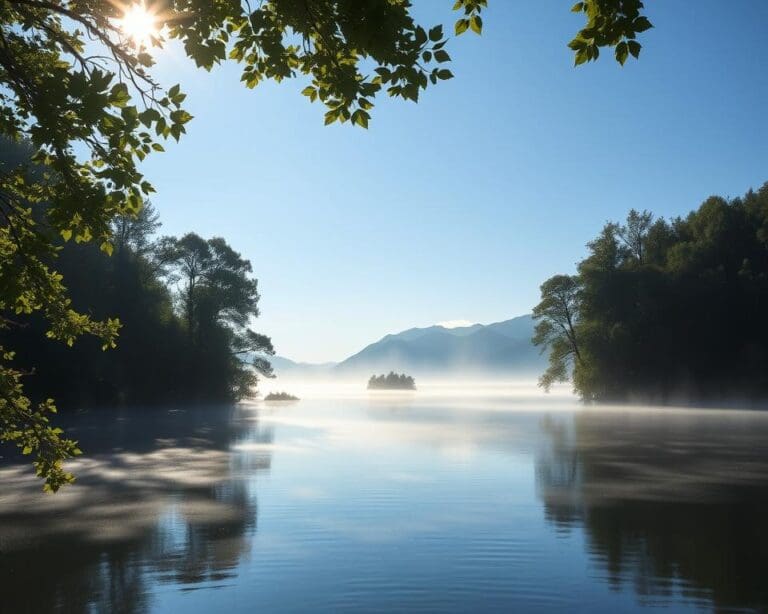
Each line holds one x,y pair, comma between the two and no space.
459,207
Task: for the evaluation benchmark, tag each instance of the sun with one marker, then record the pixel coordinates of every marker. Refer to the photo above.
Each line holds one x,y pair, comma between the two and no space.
139,24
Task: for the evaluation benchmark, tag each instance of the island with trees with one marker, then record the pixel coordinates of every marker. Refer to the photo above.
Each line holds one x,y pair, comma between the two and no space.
280,396
392,381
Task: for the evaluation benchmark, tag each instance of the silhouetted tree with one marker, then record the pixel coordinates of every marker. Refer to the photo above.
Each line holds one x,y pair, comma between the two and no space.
556,314
634,233
218,299
160,358
135,232
667,311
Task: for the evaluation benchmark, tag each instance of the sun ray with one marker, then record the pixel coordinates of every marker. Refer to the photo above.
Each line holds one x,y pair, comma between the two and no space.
139,24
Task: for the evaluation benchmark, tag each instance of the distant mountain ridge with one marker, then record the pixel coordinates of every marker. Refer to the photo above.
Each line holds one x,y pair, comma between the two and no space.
501,348
493,348
284,366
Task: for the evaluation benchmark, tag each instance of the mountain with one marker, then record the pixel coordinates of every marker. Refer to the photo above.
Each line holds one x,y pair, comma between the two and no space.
286,367
501,348
498,348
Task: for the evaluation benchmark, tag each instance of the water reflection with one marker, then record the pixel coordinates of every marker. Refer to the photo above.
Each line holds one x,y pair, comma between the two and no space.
433,501
672,504
159,499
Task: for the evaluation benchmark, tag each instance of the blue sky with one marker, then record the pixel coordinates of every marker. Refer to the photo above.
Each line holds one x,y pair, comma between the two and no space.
460,206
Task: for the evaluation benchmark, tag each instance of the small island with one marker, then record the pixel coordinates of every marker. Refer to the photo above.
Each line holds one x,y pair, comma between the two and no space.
280,396
393,381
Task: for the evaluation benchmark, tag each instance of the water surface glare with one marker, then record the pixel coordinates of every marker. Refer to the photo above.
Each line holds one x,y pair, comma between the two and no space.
446,499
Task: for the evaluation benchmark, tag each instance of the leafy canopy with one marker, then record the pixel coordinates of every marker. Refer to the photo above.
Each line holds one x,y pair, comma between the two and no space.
610,23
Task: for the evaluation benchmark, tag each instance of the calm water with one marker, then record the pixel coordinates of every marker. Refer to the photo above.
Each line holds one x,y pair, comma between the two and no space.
444,500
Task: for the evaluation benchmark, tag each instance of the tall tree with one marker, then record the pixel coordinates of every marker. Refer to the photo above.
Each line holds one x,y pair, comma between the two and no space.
557,314
135,232
634,233
219,299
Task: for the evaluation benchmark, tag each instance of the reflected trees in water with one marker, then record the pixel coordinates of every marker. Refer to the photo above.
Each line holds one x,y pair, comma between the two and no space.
667,507
173,509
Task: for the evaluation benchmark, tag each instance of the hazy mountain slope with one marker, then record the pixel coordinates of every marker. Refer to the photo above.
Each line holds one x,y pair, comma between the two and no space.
502,347
284,366
516,328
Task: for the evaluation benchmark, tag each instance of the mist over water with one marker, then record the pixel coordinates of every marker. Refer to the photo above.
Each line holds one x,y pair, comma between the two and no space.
449,389
454,497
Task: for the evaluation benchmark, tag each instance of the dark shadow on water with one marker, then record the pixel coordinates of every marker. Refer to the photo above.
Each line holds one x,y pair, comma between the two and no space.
668,505
159,499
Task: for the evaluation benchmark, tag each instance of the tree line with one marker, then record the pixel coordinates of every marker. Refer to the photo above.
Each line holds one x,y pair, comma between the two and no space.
185,307
665,311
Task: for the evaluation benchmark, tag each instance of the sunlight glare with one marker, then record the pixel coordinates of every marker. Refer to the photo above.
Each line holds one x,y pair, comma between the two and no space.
139,24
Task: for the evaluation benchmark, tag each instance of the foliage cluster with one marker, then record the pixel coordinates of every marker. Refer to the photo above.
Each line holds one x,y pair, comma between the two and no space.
610,23
665,311
391,381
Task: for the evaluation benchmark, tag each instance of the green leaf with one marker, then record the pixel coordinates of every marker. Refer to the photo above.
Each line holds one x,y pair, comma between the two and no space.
360,118
577,8
641,24
577,44
461,26
179,116
436,33
622,52
331,116
634,48
130,115
442,56
149,116
476,23
119,95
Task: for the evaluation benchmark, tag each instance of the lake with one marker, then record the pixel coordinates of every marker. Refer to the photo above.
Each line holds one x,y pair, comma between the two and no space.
451,498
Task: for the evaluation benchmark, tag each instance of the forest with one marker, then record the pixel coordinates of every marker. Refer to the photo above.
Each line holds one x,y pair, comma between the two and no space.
665,311
184,306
